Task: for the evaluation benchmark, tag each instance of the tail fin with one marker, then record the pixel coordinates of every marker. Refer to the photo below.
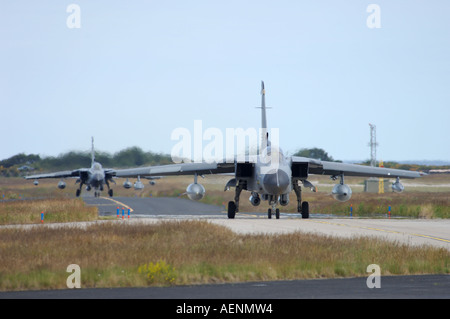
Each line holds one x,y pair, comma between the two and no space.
263,107
264,132
92,152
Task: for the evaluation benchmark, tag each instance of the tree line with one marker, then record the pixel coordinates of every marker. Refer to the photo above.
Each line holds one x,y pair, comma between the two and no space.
22,164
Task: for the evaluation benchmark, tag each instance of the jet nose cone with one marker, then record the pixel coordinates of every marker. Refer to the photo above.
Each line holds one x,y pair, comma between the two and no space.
97,177
276,183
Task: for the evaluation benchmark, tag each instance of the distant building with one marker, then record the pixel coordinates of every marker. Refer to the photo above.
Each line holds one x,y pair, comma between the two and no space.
372,185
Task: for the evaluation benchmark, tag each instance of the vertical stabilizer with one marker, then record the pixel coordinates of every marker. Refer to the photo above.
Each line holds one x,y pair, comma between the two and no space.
92,152
264,131
263,107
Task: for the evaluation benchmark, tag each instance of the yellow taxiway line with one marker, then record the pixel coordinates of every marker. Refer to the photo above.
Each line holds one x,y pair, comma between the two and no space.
382,230
119,203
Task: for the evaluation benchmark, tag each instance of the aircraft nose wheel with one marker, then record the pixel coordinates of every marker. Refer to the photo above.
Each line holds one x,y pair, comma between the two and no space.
277,213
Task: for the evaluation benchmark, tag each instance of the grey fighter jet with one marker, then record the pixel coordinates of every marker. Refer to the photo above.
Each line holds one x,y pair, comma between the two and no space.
270,175
94,177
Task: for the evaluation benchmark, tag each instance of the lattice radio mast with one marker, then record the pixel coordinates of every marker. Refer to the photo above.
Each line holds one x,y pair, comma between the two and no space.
373,145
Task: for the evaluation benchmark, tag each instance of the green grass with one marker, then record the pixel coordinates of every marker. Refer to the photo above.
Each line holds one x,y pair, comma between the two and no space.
194,252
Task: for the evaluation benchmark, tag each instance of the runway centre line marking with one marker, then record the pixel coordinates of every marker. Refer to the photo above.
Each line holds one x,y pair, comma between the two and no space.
384,230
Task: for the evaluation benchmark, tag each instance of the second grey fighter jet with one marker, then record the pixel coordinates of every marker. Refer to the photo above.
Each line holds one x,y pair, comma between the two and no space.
94,177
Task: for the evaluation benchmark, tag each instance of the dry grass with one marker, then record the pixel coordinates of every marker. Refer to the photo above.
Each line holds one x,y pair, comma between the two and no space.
55,210
110,255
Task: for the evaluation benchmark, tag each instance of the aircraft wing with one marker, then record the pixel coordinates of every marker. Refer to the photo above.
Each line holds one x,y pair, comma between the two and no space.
61,174
313,166
81,172
333,168
109,173
177,169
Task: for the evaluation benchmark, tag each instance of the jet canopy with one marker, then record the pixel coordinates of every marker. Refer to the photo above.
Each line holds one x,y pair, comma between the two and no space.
97,166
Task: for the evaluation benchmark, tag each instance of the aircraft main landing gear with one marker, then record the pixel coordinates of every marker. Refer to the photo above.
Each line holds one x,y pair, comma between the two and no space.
233,207
302,207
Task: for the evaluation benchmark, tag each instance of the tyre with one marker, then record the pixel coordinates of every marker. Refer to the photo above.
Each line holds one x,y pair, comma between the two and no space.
231,209
305,210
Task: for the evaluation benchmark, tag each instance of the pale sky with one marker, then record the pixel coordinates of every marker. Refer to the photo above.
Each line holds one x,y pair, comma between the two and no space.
137,70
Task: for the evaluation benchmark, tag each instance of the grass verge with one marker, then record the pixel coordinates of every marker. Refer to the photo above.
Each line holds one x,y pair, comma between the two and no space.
116,254
55,210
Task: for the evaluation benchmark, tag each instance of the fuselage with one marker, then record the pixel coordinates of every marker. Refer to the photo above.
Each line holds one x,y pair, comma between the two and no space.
96,176
272,173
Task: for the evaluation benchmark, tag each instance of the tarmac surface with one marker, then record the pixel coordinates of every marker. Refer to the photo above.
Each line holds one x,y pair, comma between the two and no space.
391,287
